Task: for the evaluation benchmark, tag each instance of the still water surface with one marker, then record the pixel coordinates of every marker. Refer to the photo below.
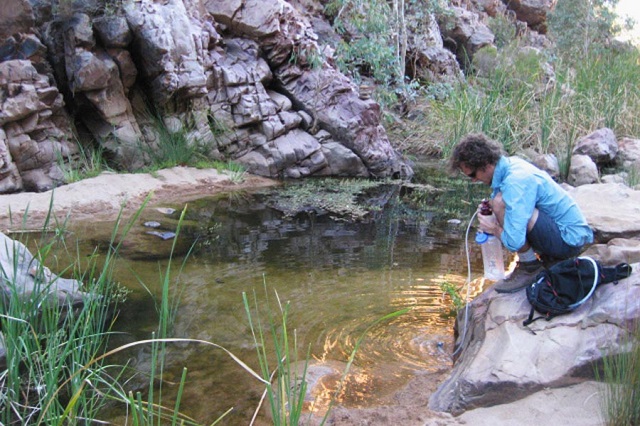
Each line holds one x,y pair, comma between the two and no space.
338,278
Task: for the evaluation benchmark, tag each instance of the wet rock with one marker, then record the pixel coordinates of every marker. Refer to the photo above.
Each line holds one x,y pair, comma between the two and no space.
167,235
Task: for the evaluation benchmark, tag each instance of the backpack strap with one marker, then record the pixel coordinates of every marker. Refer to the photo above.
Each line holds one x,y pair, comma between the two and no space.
532,319
620,271
596,275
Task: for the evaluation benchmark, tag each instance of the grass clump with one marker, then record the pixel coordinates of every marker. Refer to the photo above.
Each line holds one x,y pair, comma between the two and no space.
172,147
51,376
89,162
621,373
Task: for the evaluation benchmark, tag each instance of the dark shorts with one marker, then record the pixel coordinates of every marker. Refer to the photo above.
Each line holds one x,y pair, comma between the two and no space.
546,240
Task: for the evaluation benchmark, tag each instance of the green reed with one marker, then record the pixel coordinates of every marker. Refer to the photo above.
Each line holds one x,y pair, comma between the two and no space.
621,373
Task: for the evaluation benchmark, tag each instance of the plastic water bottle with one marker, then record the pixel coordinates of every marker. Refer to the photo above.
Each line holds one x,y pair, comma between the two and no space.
492,255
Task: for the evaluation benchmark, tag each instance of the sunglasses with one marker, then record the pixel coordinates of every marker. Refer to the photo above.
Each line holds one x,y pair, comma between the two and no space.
471,175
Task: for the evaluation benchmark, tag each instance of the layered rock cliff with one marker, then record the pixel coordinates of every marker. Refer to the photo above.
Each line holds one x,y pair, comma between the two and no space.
250,81
240,78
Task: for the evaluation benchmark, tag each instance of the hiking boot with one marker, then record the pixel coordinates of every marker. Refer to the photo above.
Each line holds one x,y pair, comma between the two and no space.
523,275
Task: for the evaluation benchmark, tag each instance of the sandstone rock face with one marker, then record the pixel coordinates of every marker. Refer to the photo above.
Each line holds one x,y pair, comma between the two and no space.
615,251
240,79
427,57
465,34
629,153
34,129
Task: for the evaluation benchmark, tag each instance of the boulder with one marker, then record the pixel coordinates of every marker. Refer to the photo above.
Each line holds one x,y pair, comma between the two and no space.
549,163
612,210
615,251
426,56
582,171
501,361
16,16
601,146
498,360
24,277
533,12
464,33
629,153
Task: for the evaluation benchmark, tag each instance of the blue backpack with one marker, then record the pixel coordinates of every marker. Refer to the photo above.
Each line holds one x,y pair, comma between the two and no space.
568,284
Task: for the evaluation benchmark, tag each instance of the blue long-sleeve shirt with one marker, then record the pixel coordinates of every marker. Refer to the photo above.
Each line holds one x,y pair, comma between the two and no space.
525,187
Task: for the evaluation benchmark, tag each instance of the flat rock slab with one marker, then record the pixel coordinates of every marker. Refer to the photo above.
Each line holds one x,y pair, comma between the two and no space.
612,210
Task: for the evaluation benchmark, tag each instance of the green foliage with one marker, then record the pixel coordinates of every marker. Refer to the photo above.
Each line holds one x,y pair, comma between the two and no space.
307,56
453,292
580,27
621,373
236,172
373,45
51,376
89,163
287,386
515,100
503,29
218,127
365,49
173,147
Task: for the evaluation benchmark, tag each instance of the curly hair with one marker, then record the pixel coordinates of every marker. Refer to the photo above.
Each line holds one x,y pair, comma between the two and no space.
475,150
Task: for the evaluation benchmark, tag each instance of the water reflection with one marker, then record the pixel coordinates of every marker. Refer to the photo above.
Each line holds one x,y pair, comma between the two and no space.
339,277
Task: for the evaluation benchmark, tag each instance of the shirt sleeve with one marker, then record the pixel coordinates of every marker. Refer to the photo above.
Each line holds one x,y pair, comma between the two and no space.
519,197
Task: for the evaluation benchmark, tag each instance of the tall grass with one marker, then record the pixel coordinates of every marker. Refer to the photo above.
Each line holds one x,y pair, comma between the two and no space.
89,162
48,346
56,357
172,147
621,373
514,100
286,388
